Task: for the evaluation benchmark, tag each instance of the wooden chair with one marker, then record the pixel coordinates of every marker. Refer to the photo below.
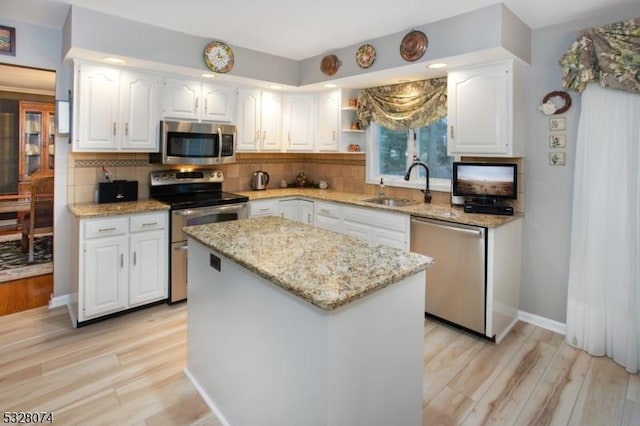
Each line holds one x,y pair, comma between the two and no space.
39,220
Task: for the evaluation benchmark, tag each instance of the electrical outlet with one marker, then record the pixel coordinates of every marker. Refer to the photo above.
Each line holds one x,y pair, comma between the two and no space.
214,261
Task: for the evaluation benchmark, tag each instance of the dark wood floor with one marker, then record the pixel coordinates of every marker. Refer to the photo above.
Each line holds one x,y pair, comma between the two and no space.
27,293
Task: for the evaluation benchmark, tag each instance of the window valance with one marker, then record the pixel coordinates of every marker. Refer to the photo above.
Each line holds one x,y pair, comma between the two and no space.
609,54
404,106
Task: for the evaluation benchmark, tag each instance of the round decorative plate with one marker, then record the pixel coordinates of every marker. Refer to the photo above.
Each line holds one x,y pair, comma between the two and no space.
330,64
413,45
365,56
218,57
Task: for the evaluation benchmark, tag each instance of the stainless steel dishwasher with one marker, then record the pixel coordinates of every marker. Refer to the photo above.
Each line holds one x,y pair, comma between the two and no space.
456,284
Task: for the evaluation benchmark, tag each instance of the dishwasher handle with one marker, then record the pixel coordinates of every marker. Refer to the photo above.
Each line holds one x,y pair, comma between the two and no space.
452,227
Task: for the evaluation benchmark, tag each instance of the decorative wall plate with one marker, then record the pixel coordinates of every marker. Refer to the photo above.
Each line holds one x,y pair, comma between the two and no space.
413,45
218,57
330,64
365,56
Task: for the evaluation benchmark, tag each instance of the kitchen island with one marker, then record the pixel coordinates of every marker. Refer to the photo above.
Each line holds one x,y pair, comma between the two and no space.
291,324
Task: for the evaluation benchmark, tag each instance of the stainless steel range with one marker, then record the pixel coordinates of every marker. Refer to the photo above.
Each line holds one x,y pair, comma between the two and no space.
196,198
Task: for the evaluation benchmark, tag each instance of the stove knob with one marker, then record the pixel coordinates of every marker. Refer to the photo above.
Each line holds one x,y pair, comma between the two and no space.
219,174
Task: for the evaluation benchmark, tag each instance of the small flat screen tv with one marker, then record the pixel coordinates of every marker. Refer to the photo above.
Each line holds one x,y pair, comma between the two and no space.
485,182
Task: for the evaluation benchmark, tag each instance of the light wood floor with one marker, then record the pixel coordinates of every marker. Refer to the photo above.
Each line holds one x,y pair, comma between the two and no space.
128,370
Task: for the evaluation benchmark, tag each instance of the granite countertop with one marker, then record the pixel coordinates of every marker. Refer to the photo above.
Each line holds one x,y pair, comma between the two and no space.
84,210
322,267
430,211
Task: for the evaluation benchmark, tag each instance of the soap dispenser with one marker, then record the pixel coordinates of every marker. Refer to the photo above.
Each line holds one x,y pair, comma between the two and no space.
381,189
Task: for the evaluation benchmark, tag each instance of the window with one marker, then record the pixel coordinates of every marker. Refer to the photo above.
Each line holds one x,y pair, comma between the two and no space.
391,152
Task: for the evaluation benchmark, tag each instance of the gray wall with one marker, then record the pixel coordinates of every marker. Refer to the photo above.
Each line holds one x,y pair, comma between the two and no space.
548,189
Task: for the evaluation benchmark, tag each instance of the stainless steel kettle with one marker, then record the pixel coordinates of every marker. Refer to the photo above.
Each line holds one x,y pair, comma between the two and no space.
259,180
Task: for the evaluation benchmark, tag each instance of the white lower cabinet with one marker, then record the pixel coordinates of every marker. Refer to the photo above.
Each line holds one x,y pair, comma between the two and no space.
327,215
259,208
122,263
379,227
373,225
296,209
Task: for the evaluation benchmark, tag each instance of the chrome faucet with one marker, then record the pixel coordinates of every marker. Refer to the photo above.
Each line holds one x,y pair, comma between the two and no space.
427,194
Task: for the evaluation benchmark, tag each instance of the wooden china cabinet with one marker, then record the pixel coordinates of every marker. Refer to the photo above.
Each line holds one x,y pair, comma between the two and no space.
37,137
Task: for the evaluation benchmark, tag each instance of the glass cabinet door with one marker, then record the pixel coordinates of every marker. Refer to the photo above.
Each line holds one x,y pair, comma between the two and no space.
37,136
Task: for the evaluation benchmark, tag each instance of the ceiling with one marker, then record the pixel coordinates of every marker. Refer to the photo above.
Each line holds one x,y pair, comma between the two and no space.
294,29
298,29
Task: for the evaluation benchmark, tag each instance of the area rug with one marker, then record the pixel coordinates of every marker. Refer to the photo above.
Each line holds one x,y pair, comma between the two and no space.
15,265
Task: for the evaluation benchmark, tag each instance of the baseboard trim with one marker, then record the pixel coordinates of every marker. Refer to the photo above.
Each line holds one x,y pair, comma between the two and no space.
56,302
206,398
546,323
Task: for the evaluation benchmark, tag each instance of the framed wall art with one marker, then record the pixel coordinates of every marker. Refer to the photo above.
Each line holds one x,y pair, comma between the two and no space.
7,40
557,141
557,158
557,124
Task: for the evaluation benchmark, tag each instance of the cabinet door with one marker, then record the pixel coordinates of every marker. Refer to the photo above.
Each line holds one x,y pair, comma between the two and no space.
358,230
218,102
97,108
37,135
328,121
480,110
271,121
248,120
327,216
139,119
148,270
289,209
306,211
300,122
104,278
263,208
181,98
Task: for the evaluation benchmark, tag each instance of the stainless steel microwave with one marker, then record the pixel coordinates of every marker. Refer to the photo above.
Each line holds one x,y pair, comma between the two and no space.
183,142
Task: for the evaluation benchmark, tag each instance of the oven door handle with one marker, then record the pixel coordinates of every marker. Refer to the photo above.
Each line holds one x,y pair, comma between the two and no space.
217,209
181,248
219,143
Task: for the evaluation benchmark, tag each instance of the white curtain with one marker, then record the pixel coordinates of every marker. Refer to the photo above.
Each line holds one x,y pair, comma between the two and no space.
603,308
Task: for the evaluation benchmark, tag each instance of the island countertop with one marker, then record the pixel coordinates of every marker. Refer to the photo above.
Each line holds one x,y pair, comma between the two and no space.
322,267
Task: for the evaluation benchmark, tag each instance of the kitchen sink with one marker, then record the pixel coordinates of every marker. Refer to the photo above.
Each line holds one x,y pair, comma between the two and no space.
392,202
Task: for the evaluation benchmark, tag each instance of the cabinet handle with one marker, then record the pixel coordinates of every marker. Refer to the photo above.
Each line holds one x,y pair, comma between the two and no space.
451,130
135,258
150,224
309,218
113,228
126,129
334,135
121,260
289,136
114,128
326,211
265,209
205,105
257,135
197,99
264,135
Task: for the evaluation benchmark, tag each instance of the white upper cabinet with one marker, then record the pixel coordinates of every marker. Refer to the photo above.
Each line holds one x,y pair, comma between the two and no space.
259,120
116,110
139,111
485,110
300,122
195,100
329,121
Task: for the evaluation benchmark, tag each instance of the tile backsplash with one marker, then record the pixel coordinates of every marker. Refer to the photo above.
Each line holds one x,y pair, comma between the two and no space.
343,172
